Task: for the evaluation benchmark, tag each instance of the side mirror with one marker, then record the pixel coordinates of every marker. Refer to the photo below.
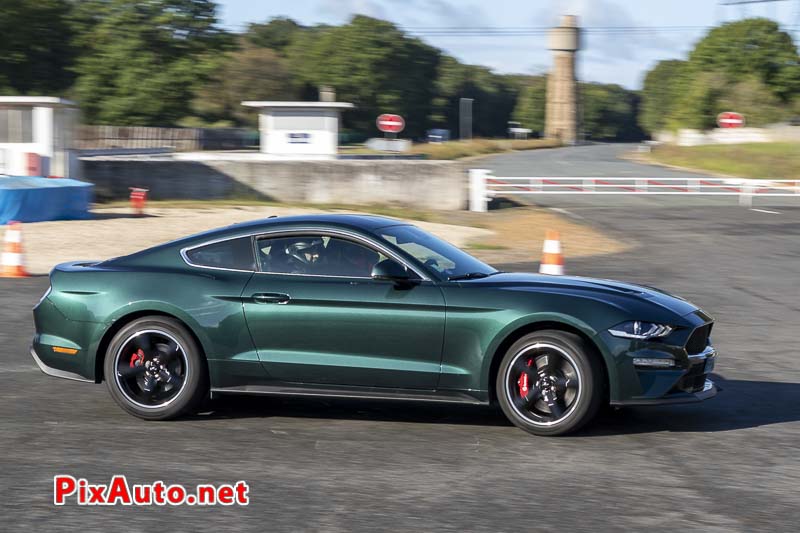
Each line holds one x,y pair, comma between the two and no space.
390,270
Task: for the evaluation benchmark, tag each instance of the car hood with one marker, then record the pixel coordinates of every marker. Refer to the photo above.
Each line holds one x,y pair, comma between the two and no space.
604,289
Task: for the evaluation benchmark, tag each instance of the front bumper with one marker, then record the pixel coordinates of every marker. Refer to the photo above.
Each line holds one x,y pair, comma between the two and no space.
687,380
709,391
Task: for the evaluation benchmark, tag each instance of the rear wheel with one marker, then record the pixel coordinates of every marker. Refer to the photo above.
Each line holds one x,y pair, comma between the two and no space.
154,369
549,383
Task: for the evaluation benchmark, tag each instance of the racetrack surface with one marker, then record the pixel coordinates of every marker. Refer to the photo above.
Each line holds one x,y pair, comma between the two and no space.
724,465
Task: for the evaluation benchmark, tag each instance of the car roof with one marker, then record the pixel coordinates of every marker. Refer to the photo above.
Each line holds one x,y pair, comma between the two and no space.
367,223
364,223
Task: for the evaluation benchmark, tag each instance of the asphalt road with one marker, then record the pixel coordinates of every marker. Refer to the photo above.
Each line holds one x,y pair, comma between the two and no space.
727,464
585,160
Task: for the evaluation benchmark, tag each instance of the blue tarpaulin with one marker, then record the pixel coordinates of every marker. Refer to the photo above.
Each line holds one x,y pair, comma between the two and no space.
35,199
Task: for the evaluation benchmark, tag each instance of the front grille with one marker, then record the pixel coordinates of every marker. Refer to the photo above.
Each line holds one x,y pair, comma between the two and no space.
698,340
693,381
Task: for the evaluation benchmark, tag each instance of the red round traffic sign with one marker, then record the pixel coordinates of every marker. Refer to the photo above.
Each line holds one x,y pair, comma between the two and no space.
729,119
389,123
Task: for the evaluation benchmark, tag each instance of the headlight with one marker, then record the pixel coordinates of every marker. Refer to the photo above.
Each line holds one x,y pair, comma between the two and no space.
636,329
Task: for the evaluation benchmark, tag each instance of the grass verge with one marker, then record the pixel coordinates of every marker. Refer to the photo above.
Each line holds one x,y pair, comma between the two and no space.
473,147
460,149
754,160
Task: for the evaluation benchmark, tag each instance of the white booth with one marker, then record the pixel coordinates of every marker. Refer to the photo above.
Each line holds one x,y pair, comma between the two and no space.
36,136
299,130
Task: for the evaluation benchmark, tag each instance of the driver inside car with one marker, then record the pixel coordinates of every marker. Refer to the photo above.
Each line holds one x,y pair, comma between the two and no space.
344,258
303,256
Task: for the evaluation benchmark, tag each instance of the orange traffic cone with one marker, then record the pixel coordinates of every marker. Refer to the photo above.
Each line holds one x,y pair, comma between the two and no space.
552,258
13,265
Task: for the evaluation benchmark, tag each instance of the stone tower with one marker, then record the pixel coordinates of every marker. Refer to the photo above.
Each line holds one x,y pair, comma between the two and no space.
561,114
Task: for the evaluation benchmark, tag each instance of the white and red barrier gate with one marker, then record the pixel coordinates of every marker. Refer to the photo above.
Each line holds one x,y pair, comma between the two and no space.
484,186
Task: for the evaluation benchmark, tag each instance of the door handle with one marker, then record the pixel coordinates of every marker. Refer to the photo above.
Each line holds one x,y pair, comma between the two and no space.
271,298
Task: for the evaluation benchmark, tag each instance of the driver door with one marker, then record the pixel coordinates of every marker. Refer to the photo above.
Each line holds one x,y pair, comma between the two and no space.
316,315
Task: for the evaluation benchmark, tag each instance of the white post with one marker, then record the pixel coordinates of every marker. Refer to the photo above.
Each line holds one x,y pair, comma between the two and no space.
746,195
42,118
478,202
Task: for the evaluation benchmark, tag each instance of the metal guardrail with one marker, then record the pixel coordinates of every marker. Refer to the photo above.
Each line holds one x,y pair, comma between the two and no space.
484,186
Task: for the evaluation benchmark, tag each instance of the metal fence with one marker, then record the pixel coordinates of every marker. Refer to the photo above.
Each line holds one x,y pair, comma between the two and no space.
178,139
484,186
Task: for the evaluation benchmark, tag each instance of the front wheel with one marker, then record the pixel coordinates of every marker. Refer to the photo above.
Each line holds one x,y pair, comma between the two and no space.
550,383
154,370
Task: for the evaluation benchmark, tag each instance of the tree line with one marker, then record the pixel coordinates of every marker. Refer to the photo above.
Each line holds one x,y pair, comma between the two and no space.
749,66
169,63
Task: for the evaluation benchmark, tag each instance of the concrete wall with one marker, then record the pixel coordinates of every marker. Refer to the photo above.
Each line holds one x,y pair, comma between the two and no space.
689,137
425,184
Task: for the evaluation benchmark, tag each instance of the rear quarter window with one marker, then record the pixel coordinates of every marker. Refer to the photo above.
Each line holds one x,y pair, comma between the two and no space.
234,254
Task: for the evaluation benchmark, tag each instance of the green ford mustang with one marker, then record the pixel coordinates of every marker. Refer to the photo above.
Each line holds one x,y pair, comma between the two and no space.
364,307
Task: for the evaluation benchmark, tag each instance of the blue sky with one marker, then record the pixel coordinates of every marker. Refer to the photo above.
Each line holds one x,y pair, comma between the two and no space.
622,59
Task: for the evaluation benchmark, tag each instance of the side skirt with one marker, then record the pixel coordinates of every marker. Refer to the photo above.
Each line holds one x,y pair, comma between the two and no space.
372,393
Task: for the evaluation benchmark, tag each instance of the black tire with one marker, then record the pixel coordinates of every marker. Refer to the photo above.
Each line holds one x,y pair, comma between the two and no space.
154,369
565,389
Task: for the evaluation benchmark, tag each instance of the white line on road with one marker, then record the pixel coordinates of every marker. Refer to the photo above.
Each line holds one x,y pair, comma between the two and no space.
767,211
25,368
564,212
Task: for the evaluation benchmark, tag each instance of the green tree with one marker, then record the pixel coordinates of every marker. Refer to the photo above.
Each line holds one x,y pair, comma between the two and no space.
144,60
697,108
276,34
661,93
36,47
530,108
749,66
752,47
754,100
250,73
494,97
609,112
372,64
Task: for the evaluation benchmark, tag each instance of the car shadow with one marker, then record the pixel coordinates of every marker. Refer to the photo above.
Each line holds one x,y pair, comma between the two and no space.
235,407
741,404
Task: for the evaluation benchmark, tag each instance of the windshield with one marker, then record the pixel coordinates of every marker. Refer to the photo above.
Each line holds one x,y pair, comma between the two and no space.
435,253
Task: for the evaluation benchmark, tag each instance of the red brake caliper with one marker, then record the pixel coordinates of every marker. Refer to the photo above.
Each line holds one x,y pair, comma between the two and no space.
137,356
523,381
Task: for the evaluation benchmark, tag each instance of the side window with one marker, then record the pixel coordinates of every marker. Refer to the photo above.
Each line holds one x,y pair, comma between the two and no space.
236,254
316,255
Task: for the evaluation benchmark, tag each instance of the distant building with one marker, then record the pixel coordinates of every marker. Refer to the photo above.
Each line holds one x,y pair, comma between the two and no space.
299,130
36,136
